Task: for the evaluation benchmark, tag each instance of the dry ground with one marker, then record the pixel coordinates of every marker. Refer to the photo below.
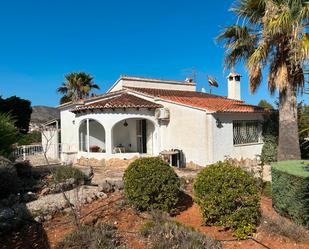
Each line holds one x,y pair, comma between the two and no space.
114,210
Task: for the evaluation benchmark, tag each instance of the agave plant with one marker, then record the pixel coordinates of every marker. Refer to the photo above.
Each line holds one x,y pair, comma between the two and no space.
271,34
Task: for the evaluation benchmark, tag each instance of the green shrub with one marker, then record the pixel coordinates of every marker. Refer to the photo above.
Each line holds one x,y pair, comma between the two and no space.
228,196
170,234
150,183
290,188
9,181
269,150
29,138
92,237
8,134
62,173
266,191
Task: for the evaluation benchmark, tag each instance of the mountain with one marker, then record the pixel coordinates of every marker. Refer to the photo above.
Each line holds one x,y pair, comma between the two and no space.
41,114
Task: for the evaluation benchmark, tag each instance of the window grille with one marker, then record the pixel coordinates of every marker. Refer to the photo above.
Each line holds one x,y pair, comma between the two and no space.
246,131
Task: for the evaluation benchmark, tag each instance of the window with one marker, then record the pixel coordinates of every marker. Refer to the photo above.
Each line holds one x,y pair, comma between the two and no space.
246,132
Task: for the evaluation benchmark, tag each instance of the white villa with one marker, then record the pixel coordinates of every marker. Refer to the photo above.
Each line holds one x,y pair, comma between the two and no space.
148,117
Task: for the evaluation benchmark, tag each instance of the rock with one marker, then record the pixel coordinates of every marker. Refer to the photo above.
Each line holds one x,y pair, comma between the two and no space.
6,214
89,199
101,195
89,173
70,181
4,162
106,187
48,217
39,219
28,197
45,191
118,185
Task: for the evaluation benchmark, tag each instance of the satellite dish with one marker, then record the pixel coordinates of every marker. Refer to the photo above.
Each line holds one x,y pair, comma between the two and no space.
212,81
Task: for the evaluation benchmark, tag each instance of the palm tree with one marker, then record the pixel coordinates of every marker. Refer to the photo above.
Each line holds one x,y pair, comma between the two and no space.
272,36
76,86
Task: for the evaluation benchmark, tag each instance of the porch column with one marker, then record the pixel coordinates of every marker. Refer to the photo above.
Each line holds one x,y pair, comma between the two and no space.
108,140
88,137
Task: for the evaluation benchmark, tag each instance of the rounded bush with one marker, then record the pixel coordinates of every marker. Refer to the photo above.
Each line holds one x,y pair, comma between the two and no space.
150,183
228,196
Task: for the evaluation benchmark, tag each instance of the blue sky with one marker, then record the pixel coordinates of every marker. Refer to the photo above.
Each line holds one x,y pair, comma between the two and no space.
43,40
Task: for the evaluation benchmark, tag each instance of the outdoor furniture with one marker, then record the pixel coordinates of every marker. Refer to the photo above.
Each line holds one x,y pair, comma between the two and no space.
119,149
167,156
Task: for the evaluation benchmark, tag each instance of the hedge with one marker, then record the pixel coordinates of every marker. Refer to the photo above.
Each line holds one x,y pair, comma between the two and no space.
290,190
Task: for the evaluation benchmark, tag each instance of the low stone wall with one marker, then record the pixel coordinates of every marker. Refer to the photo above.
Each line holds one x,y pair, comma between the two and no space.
114,162
254,167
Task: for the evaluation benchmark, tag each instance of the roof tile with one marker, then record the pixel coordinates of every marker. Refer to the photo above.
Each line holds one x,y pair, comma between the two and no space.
123,100
201,100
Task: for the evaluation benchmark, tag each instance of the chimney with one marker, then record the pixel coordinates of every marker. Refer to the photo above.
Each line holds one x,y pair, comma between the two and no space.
233,84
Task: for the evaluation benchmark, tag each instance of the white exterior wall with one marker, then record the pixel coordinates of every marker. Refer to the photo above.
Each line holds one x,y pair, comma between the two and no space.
186,131
222,138
69,136
152,84
50,142
192,130
70,131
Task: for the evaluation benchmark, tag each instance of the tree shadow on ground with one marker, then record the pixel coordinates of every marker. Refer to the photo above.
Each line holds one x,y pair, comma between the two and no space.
185,201
26,233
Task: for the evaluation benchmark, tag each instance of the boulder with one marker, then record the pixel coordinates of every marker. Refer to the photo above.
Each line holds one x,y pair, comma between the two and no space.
4,162
111,185
6,214
106,187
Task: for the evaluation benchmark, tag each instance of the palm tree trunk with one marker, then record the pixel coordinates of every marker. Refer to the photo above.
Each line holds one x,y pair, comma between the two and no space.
288,148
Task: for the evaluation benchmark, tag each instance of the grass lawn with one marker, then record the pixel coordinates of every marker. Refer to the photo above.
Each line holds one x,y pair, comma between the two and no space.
296,167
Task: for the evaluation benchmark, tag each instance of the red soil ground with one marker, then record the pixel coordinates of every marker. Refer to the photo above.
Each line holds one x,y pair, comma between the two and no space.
113,211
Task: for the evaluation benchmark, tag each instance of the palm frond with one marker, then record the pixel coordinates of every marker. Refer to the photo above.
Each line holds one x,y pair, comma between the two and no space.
240,43
259,56
255,77
281,23
282,76
272,77
62,89
252,10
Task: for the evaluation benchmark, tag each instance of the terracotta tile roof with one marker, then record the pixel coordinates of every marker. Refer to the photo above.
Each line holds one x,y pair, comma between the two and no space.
201,100
122,100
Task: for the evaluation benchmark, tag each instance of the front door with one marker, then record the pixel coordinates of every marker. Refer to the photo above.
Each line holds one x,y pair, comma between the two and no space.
141,131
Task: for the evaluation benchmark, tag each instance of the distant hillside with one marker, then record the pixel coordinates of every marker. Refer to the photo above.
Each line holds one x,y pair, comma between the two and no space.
41,114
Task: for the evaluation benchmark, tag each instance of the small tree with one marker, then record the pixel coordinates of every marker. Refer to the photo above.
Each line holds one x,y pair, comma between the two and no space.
8,135
19,109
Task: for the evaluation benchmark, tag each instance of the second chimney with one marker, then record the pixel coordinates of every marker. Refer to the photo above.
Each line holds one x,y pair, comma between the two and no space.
233,84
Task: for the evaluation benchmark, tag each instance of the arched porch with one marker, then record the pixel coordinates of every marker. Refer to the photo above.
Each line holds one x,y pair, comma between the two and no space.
133,135
91,136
